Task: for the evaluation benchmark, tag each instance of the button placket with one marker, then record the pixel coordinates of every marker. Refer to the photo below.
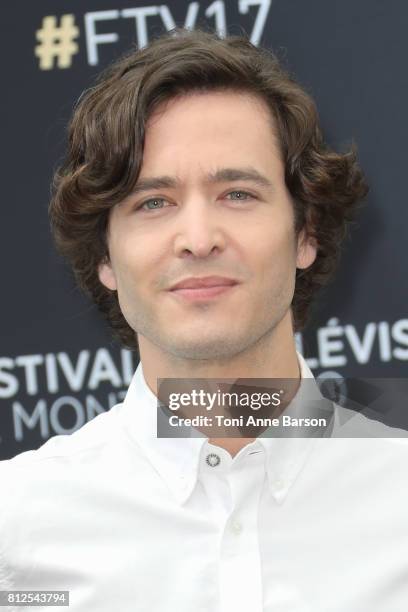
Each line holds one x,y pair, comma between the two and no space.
240,563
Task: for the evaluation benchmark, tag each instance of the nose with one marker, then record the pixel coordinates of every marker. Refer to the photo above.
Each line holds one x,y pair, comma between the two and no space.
199,230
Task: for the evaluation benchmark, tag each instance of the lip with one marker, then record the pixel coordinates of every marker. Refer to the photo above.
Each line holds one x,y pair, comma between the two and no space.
195,289
202,293
204,283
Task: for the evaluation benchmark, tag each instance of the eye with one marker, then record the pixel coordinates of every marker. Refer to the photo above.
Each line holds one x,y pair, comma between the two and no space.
242,193
151,200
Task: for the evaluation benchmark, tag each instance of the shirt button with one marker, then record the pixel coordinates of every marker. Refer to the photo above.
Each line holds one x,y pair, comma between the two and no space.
236,527
212,459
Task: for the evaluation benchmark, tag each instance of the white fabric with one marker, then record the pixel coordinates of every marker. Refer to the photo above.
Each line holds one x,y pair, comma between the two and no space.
128,521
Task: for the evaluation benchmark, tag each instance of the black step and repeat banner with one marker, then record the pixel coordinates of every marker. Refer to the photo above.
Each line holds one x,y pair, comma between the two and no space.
58,365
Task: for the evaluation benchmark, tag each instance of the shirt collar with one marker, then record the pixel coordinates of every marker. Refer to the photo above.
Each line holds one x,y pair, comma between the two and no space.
177,459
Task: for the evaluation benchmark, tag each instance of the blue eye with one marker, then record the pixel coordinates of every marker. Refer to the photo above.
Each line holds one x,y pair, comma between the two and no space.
152,200
242,192
145,204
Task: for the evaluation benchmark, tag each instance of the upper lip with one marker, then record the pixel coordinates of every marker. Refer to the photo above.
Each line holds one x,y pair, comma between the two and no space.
205,281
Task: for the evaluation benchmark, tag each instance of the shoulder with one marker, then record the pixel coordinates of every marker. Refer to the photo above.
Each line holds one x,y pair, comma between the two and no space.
63,450
376,448
44,488
365,456
352,424
62,472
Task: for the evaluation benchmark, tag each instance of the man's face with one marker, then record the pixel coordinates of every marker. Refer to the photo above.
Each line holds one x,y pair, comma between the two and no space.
235,228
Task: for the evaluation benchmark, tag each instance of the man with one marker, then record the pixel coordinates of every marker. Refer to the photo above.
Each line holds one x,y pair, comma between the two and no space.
201,210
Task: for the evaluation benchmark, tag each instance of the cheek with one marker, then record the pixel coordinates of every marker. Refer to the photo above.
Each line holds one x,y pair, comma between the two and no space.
128,265
276,251
137,264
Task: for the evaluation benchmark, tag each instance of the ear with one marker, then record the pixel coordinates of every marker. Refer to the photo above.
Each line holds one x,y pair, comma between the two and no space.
107,275
306,250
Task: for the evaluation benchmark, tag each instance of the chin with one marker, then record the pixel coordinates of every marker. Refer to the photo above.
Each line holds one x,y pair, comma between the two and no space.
200,350
204,347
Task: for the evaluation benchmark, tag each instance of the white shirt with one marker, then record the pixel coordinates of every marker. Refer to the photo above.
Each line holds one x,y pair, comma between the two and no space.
130,522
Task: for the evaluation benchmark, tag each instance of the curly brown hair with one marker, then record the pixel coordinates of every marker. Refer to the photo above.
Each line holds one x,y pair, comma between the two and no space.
105,150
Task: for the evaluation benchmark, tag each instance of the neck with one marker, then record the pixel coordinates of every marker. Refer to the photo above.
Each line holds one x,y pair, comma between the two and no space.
273,356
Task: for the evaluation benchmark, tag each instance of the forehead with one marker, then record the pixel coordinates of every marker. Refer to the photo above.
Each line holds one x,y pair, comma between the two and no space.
205,130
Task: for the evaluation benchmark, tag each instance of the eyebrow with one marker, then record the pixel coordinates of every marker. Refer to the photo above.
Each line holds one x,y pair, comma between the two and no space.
220,176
